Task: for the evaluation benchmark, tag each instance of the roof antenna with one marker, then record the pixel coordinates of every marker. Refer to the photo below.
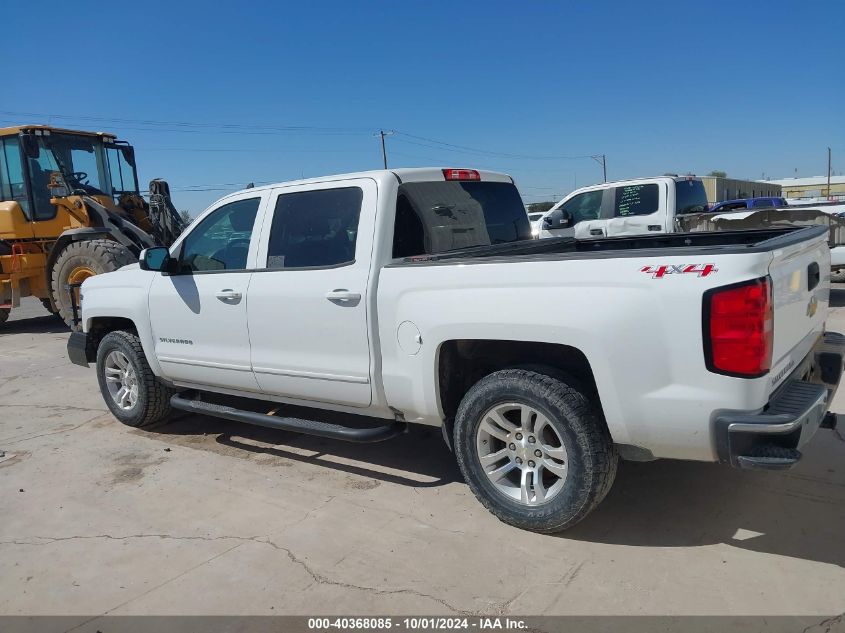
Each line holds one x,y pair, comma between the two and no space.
250,185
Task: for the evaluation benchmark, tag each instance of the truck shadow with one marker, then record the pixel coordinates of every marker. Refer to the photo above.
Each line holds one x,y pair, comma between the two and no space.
47,324
798,513
419,458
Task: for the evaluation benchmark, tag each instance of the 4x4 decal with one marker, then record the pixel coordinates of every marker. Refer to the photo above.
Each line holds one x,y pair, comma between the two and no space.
658,272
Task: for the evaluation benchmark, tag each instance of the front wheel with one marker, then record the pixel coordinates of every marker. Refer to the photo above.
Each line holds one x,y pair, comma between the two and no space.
130,389
533,450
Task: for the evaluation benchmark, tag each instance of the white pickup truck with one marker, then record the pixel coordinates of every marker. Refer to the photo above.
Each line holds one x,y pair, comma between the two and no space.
668,204
418,296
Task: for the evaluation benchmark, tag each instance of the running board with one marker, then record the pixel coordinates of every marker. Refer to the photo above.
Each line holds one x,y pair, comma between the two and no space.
297,425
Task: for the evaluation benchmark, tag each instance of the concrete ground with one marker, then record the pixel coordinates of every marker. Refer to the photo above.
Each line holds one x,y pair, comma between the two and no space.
202,516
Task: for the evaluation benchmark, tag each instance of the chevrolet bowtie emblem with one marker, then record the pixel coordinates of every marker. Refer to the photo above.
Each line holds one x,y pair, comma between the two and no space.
812,307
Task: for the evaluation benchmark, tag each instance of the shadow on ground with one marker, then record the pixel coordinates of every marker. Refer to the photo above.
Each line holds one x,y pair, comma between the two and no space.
799,513
421,453
47,324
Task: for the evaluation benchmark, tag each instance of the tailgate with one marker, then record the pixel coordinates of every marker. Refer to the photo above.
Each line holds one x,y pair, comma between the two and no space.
800,276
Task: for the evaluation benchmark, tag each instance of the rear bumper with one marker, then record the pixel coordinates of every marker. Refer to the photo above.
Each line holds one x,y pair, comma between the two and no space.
771,438
77,348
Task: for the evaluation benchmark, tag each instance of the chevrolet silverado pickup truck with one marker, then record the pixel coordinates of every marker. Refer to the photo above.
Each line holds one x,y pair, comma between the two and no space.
352,306
669,204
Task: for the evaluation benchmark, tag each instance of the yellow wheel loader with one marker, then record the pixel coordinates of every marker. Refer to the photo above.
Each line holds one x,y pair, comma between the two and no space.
70,208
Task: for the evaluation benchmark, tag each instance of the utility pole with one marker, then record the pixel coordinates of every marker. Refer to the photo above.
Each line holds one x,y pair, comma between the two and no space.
828,173
382,134
601,159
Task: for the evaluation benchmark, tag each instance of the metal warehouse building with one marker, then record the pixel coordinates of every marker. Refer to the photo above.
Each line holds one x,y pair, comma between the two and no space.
721,189
812,187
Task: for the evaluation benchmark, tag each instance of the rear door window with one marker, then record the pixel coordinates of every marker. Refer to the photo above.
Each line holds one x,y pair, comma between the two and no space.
315,229
636,200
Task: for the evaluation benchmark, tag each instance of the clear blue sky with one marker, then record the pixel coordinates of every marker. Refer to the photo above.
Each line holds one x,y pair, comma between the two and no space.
745,87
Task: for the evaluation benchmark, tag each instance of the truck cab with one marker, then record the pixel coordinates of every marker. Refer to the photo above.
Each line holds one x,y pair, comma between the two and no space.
626,207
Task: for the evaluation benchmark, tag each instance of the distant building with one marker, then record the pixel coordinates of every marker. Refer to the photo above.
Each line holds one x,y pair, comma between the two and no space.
812,187
721,189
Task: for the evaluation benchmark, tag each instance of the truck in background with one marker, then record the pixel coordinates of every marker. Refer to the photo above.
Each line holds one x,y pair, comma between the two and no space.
670,204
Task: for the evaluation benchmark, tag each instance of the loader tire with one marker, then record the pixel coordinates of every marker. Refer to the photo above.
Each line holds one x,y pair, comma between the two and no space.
48,305
80,260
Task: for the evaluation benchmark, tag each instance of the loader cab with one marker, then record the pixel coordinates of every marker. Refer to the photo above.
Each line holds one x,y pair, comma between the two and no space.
38,163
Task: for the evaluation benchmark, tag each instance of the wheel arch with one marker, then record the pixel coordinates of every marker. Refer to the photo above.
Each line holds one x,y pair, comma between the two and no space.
463,362
98,325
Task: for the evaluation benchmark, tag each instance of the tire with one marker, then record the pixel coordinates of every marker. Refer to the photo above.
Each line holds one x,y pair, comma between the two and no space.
4,314
48,305
152,398
571,437
82,259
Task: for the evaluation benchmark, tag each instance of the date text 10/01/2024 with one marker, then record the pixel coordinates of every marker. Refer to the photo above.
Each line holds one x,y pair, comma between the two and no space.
416,623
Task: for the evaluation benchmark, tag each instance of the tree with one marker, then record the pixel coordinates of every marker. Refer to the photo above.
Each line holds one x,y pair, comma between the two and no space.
538,207
186,216
716,173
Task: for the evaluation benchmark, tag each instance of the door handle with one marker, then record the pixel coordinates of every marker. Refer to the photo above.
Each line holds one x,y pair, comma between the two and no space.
227,294
343,295
596,232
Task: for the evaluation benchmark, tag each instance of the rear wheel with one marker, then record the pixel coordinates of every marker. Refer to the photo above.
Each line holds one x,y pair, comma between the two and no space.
130,389
79,261
534,450
4,314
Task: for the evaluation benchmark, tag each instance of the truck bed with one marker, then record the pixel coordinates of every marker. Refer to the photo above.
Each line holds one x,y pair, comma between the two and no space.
700,243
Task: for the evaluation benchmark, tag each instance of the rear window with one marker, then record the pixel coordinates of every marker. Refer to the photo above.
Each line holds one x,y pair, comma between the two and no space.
690,197
436,217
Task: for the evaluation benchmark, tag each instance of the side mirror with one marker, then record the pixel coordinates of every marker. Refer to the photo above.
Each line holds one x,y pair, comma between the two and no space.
157,258
557,219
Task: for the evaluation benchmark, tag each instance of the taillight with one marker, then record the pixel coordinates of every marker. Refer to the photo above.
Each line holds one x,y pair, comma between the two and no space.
461,174
739,329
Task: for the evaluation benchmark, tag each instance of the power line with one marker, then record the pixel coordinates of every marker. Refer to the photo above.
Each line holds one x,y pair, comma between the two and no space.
476,150
189,125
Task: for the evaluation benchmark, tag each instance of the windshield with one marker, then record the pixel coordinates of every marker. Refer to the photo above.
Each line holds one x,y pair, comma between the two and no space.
86,163
435,217
690,197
